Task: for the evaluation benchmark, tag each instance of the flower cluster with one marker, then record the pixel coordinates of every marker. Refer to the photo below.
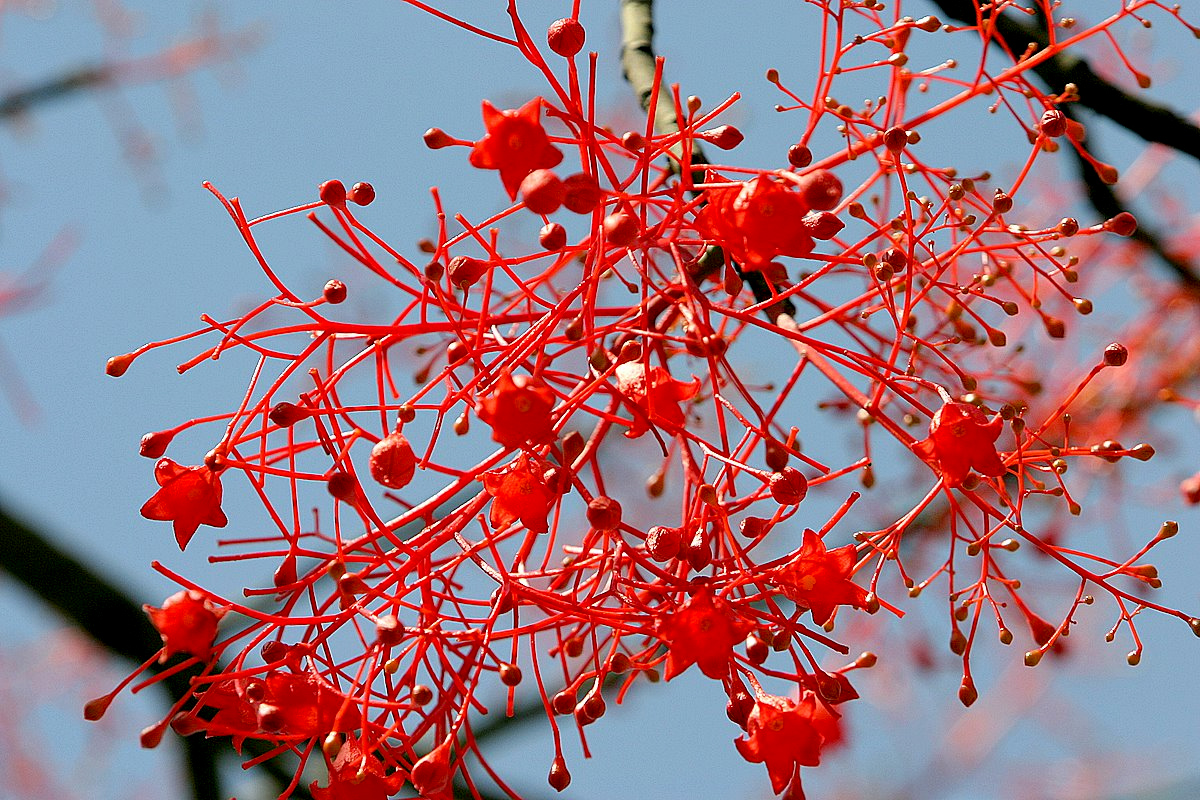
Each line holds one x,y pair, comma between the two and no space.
453,559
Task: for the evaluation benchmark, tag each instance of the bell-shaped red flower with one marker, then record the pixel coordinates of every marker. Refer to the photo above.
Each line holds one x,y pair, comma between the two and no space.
519,491
783,735
961,439
653,397
703,632
756,221
515,143
355,775
819,579
518,409
187,623
188,497
431,774
299,705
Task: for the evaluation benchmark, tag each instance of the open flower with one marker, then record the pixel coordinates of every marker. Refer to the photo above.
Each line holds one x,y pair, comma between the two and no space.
756,221
961,439
188,497
187,623
653,396
703,632
784,735
519,491
518,409
355,775
515,143
819,579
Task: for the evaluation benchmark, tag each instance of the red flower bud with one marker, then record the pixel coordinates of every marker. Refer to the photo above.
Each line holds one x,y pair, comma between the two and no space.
788,486
566,37
333,193
542,191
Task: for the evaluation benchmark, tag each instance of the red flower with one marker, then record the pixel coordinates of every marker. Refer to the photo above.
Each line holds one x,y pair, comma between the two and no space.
515,143
961,438
298,704
189,497
783,734
819,579
653,398
519,491
703,632
756,221
518,410
355,775
431,774
187,623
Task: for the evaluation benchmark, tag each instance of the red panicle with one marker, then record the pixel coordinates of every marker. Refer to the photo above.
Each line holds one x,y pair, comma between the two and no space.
188,497
703,632
355,775
819,579
756,222
187,623
784,735
519,491
653,396
515,143
518,410
961,439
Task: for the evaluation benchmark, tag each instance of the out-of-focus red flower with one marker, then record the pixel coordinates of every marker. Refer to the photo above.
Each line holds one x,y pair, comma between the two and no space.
653,396
756,222
519,491
187,623
188,497
703,632
518,409
355,775
783,735
515,143
819,579
961,438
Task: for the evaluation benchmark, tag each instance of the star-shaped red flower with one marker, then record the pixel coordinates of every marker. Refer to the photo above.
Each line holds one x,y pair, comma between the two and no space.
755,221
188,497
703,632
518,409
187,623
819,579
653,397
784,736
519,491
515,143
355,775
961,439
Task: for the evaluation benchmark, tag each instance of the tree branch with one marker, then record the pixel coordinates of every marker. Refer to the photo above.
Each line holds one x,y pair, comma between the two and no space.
640,65
106,614
1151,121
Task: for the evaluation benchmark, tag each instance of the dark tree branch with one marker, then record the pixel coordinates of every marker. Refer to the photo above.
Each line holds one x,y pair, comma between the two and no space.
1105,200
106,614
21,100
1151,121
640,64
